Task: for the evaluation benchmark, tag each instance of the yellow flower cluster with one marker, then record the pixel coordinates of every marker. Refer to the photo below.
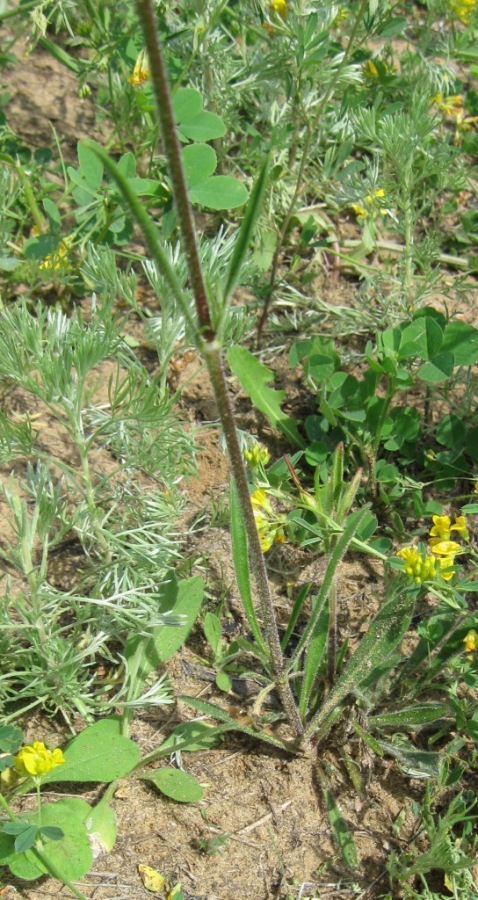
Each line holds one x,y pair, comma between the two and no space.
471,641
451,105
443,550
36,760
441,545
269,525
370,204
417,566
55,261
257,456
341,15
462,9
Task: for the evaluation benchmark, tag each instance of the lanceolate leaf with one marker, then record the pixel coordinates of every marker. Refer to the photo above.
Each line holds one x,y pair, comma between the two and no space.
381,639
241,566
410,716
255,378
244,235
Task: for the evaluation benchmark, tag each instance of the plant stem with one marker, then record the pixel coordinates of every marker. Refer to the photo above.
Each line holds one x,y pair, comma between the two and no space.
172,151
213,360
208,344
408,254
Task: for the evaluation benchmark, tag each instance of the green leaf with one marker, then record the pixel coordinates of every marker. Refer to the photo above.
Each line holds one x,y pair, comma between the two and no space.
384,633
8,263
144,654
411,716
187,103
223,682
176,784
41,247
437,369
415,762
127,165
422,338
240,558
99,753
340,830
451,432
169,638
101,828
26,838
72,856
254,378
52,832
15,828
192,737
206,126
52,213
313,659
244,236
11,738
219,192
199,161
91,168
392,28
212,630
148,187
461,340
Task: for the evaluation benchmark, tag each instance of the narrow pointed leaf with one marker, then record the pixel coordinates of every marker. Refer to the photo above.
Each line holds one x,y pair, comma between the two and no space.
240,558
384,633
245,233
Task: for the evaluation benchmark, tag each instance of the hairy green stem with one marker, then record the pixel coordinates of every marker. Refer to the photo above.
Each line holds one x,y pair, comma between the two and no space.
213,360
211,350
172,151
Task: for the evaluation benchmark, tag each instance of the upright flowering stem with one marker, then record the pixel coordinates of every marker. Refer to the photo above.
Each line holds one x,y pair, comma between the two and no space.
172,151
210,348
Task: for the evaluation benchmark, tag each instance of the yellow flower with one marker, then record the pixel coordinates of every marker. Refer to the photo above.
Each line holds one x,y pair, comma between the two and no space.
379,69
475,490
370,69
280,7
359,211
420,568
371,202
441,528
55,261
462,9
257,456
260,500
460,527
36,760
140,72
269,526
470,641
446,552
